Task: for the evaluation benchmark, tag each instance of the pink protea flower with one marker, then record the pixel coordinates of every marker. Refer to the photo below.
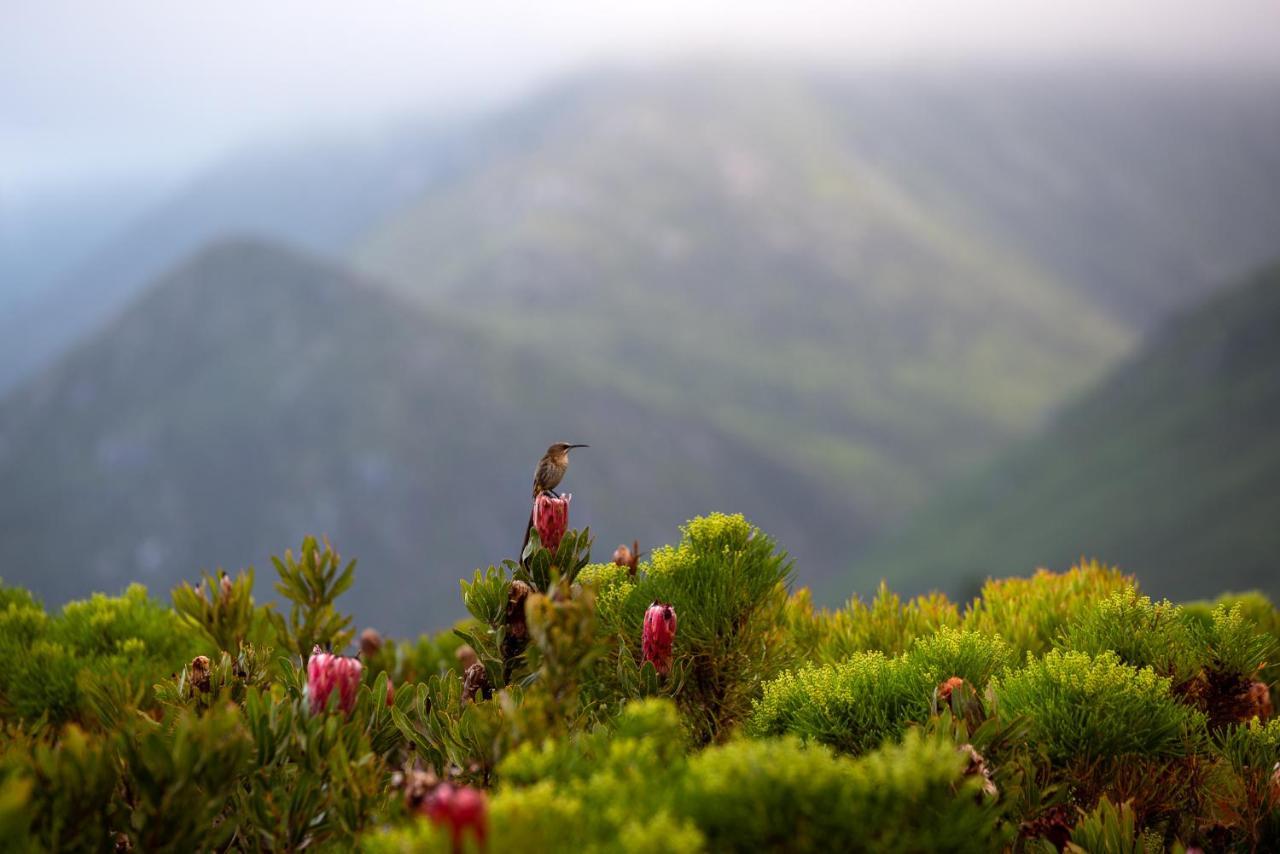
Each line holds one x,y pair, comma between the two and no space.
659,633
551,518
460,810
325,672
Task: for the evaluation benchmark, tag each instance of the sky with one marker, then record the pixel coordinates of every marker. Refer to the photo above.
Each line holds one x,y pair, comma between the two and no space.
97,91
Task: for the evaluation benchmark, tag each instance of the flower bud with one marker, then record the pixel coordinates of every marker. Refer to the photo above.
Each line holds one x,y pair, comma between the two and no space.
224,586
460,810
370,642
551,518
946,688
476,682
1259,701
325,672
466,656
200,673
659,633
391,692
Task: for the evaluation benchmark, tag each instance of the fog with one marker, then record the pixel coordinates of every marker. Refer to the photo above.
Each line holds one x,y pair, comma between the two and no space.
90,90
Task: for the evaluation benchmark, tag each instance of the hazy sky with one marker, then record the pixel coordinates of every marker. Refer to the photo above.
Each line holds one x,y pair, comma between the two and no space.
93,88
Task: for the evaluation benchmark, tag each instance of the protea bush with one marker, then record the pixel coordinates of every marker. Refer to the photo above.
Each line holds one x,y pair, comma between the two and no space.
690,701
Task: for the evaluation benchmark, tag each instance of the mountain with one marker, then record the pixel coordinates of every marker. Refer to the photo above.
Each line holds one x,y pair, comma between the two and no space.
711,244
318,195
255,394
1144,190
1169,469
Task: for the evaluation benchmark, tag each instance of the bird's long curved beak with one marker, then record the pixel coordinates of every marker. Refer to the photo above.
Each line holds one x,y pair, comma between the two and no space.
579,446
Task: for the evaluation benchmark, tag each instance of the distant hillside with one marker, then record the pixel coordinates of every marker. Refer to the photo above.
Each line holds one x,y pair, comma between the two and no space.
1171,468
711,244
317,195
254,395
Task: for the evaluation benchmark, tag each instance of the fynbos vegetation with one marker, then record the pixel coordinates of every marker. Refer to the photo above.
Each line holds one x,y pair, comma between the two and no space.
688,702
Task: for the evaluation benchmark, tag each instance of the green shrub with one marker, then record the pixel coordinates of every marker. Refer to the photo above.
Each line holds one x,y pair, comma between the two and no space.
852,706
1236,646
778,795
128,641
887,624
728,583
1030,612
973,657
1113,829
1249,799
70,779
1084,707
1141,632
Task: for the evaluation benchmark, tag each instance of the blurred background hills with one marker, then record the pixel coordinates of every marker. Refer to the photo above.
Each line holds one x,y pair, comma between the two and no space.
922,325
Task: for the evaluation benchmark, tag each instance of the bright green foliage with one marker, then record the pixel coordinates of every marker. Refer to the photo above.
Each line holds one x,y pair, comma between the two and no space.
887,624
1141,632
312,581
1089,707
116,644
1235,645
973,657
728,583
852,706
781,796
857,703
779,727
1030,612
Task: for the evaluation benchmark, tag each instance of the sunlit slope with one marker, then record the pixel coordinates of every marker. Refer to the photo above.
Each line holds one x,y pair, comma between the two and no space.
711,244
1170,468
254,395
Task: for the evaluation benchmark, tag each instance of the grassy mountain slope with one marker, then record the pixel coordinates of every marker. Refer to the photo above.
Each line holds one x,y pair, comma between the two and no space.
1169,468
710,243
254,395
1144,191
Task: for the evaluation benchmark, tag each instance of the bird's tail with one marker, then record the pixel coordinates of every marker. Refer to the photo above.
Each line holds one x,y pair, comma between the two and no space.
527,529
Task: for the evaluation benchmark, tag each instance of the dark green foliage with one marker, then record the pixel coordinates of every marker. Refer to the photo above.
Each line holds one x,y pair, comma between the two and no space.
222,607
312,582
69,780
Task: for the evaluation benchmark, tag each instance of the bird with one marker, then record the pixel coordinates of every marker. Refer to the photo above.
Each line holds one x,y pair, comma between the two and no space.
551,468
547,476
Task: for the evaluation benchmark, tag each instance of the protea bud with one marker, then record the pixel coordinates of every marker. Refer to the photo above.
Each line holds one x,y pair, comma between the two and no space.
370,642
325,672
946,688
200,673
551,518
466,656
476,683
461,810
659,633
224,585
391,692
1259,700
